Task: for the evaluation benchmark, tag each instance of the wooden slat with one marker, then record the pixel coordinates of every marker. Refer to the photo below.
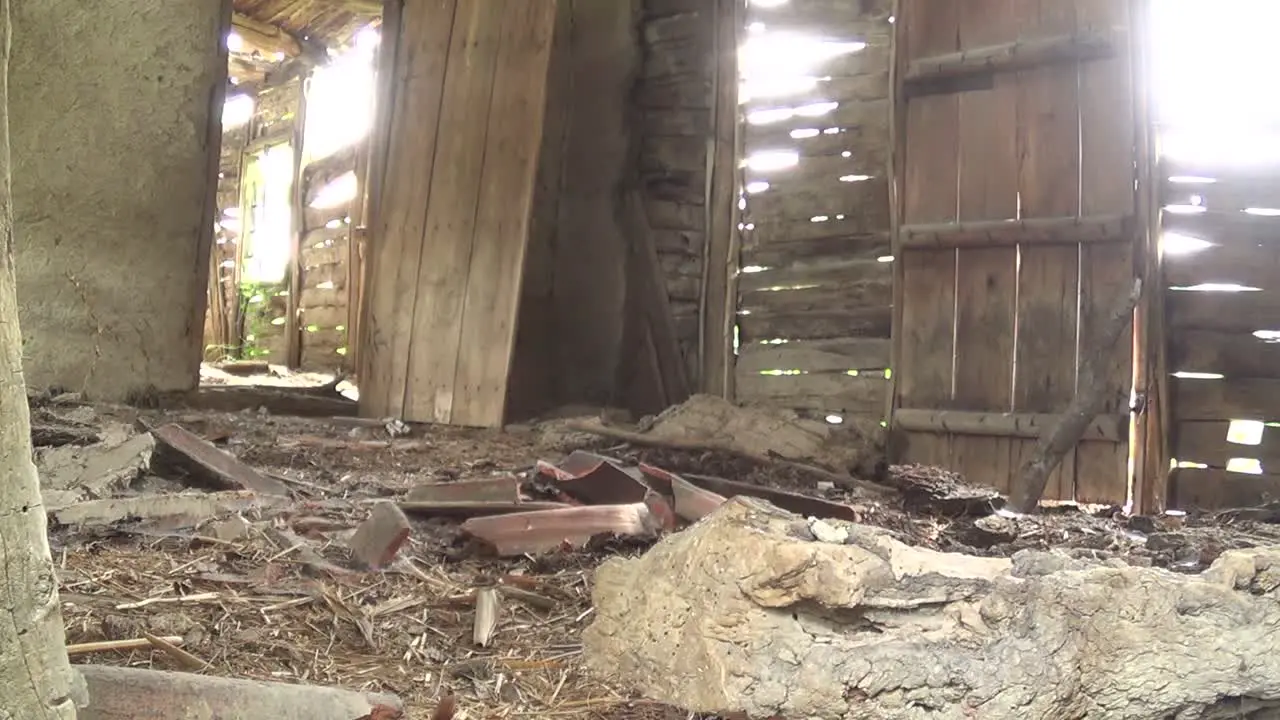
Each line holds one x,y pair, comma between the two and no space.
762,252
792,231
1224,226
1229,399
829,392
1232,261
1226,353
1107,155
1243,312
826,299
814,325
1205,442
828,272
1198,489
507,179
1011,56
825,167
836,355
867,200
1112,428
395,246
859,118
1224,195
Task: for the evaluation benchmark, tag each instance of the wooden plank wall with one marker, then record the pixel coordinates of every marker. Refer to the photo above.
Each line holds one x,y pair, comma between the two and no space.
674,97
815,288
451,221
1222,336
222,335
324,265
995,314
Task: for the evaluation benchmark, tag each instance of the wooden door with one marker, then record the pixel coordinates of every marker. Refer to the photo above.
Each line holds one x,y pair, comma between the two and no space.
1016,232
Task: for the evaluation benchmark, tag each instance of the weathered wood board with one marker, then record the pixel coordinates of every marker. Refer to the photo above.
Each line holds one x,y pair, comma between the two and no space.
453,217
998,325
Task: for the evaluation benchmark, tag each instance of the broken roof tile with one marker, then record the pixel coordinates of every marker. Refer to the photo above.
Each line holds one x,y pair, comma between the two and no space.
596,479
793,502
546,530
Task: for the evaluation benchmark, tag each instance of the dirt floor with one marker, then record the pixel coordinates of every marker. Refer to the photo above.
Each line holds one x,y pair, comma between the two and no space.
244,607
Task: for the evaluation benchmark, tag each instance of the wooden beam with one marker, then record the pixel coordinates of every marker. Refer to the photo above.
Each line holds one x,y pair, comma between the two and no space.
297,202
998,233
719,295
1229,399
1205,442
264,37
1017,55
1113,428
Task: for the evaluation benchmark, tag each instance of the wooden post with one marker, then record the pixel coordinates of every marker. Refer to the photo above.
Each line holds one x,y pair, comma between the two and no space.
297,201
35,677
719,295
897,149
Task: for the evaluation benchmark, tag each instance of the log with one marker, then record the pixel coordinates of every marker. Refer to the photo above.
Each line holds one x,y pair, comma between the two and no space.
870,628
1090,398
117,693
1017,55
1003,233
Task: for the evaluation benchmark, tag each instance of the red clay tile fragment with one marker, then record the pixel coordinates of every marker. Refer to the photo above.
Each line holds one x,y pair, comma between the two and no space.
378,539
596,479
501,489
209,465
689,501
547,530
466,509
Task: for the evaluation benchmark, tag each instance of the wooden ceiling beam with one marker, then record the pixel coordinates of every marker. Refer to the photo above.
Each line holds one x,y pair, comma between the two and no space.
264,37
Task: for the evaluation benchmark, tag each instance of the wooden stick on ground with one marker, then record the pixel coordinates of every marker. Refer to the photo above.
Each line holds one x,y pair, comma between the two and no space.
1071,425
108,645
844,480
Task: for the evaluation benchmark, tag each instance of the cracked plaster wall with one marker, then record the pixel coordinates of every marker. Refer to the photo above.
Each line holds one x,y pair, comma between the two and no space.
110,107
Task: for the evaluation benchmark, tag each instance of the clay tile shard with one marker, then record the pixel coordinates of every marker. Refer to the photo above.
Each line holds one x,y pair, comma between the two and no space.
501,489
597,480
378,539
792,502
546,530
690,502
476,509
180,448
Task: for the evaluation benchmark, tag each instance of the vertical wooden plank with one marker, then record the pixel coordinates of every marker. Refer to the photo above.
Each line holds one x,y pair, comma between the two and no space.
1107,156
718,298
1048,182
929,195
986,278
448,239
400,201
512,145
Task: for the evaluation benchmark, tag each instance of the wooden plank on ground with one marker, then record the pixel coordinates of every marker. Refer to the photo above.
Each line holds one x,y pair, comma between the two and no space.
511,151
209,465
1233,354
829,392
451,217
396,246
1229,399
1207,442
1209,489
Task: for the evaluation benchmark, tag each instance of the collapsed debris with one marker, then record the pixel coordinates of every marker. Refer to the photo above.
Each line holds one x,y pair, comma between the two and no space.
870,627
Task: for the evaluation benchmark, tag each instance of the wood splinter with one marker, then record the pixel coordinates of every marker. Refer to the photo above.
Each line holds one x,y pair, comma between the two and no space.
1087,404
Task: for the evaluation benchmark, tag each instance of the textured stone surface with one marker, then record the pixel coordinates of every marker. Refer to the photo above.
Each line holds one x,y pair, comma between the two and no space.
111,103
740,612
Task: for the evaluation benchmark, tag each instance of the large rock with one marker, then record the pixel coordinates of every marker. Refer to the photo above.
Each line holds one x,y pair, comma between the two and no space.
748,611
